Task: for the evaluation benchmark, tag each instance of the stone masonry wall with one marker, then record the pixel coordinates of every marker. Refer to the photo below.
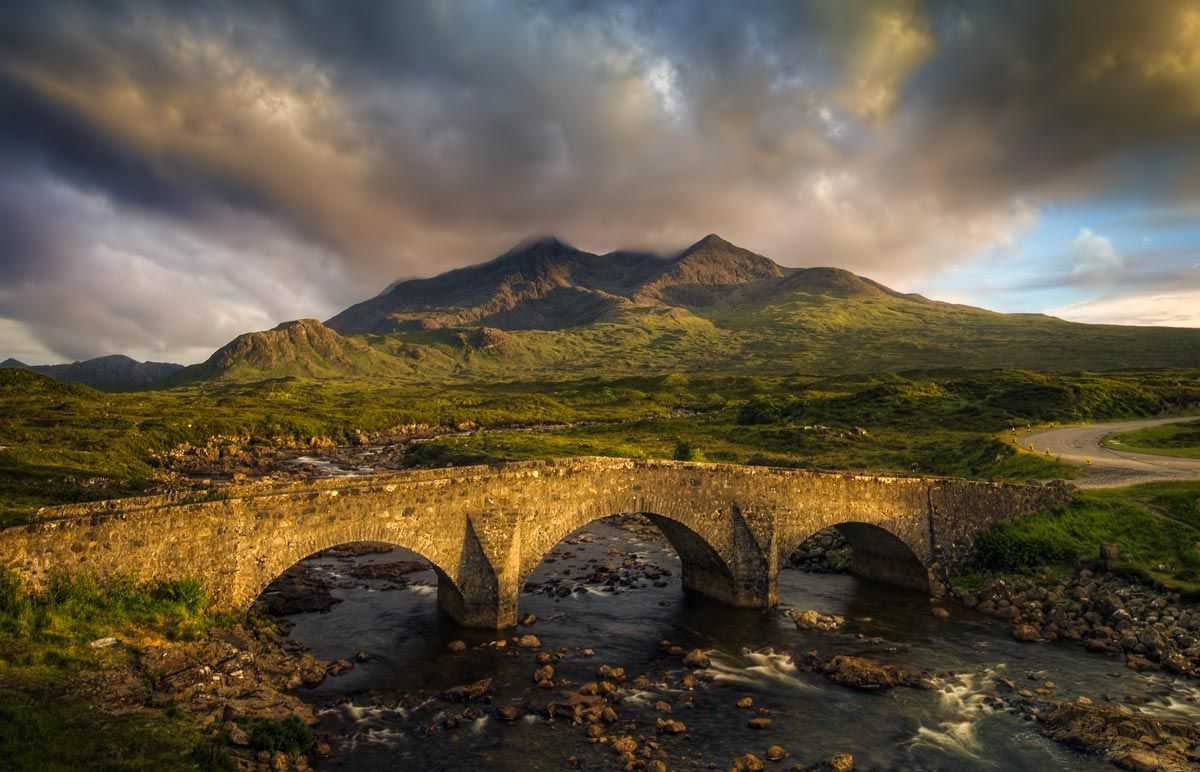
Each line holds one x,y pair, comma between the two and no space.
486,528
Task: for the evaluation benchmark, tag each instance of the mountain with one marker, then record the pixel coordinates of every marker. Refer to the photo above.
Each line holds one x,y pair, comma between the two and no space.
540,284
548,310
547,284
304,347
116,372
702,274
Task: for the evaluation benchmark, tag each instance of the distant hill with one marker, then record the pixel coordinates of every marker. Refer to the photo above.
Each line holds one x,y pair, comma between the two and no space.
547,310
116,372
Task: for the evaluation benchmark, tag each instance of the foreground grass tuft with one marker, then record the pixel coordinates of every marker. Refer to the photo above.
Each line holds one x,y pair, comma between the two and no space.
44,641
53,628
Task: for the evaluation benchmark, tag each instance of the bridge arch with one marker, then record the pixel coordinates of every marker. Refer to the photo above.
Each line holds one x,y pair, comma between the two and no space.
707,568
880,554
265,564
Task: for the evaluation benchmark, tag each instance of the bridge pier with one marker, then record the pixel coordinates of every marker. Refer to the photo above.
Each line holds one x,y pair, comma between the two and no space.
483,610
748,579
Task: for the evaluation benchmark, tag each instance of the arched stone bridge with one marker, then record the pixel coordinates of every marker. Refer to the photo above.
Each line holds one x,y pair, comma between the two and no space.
486,528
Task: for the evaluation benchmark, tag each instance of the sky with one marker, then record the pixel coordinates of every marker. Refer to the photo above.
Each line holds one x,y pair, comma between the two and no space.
174,174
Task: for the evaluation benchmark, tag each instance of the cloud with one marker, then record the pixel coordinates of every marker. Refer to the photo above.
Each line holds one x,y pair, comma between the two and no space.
1093,255
109,280
1168,309
292,157
893,42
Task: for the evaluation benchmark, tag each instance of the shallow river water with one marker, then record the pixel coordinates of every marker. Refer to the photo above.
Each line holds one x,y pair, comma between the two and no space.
383,721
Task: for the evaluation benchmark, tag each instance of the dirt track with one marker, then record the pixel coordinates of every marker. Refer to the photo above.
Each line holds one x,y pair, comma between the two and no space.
1110,468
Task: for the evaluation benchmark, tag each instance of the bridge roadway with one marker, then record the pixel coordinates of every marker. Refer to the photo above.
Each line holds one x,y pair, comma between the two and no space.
485,528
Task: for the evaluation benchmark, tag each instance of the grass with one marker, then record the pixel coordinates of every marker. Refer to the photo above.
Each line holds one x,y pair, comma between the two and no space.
44,637
40,730
61,443
53,628
1181,440
1156,526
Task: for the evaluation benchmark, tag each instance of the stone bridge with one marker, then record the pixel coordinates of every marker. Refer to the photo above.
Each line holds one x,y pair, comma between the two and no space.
486,528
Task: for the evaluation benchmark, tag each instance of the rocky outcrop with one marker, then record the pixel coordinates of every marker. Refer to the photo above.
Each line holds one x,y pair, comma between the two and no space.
1129,740
1107,613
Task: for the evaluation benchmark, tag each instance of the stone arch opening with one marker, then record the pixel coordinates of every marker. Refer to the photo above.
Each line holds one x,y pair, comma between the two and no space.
702,569
879,555
311,583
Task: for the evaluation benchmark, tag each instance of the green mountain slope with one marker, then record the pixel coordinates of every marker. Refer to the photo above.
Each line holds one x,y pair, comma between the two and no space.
301,348
546,310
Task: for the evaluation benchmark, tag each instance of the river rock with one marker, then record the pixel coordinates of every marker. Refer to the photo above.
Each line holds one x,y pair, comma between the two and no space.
510,713
815,620
1131,740
866,674
748,762
577,707
670,726
1026,633
468,692
395,570
696,658
299,590
529,641
610,673
839,762
624,744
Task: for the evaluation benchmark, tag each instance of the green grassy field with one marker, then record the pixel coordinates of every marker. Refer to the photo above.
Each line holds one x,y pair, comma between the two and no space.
1156,526
1180,440
62,443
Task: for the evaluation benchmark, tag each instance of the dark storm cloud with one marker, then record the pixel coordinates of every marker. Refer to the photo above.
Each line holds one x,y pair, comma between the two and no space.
295,156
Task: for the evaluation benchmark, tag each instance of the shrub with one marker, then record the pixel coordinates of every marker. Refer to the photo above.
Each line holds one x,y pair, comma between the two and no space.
290,735
759,411
188,593
1001,548
11,595
212,756
684,452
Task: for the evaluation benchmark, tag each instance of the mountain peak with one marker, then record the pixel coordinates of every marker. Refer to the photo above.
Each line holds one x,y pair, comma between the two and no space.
539,244
10,363
306,325
711,240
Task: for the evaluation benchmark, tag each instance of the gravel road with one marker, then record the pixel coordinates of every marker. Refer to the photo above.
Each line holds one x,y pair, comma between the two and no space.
1107,468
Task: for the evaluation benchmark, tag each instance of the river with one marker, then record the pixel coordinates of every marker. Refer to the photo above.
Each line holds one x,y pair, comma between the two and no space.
384,720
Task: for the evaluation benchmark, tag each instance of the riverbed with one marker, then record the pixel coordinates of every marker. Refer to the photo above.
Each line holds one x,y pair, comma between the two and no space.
611,596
